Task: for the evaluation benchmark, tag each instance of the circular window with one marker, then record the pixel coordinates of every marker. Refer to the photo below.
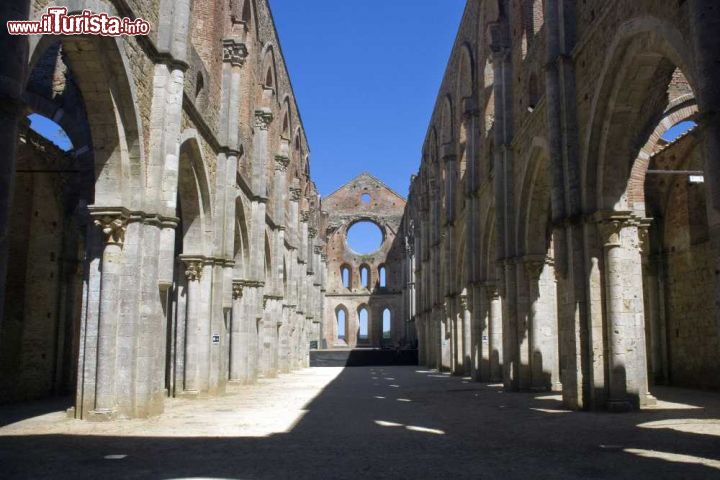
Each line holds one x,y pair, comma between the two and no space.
364,237
365,198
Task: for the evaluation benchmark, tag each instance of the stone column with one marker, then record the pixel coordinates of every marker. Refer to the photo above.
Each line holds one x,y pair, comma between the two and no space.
466,334
284,346
197,329
627,382
495,328
480,334
113,225
544,367
511,353
444,322
239,338
522,307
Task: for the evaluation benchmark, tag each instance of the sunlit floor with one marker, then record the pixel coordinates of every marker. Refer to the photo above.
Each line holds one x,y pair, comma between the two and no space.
369,423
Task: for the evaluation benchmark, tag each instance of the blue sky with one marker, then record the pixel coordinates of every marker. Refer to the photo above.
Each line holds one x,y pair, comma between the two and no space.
366,74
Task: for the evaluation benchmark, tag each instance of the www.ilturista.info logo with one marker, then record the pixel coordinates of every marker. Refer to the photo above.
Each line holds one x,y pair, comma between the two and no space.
57,22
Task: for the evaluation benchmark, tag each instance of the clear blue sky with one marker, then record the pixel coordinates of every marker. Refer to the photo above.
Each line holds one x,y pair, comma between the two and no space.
366,74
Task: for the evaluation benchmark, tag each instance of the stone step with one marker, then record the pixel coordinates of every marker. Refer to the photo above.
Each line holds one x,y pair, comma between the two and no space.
362,357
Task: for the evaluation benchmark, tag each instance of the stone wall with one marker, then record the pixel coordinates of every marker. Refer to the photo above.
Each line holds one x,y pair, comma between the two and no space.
544,246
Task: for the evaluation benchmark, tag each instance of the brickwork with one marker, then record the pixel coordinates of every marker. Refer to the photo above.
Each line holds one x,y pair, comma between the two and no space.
364,198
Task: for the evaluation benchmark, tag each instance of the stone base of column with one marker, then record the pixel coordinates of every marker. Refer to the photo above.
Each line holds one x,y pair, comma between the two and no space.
191,394
647,400
102,415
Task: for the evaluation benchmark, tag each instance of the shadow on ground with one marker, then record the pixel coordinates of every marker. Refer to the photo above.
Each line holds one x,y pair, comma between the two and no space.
407,423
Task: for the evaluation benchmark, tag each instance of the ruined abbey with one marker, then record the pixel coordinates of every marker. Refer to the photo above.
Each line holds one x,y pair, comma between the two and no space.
554,239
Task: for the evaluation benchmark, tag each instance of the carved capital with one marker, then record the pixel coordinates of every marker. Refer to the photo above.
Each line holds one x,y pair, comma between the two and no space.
263,119
281,163
113,225
312,232
305,216
464,302
234,52
193,269
237,289
295,194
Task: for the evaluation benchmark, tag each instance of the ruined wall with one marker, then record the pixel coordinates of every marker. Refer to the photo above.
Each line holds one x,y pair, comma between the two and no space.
345,207
536,223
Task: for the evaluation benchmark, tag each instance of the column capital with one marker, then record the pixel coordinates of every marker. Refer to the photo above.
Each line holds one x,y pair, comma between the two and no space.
112,222
470,109
463,302
281,163
534,265
312,232
234,52
193,267
295,194
610,225
305,216
237,289
263,118
448,152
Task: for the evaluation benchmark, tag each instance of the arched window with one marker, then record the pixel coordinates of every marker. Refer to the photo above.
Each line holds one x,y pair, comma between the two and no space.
365,276
50,131
382,273
345,274
387,325
341,316
363,325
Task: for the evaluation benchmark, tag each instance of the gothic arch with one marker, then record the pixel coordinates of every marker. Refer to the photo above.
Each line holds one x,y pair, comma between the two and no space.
617,130
534,212
109,99
193,198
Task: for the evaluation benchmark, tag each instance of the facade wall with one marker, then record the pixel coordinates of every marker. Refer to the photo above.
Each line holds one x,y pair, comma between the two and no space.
343,209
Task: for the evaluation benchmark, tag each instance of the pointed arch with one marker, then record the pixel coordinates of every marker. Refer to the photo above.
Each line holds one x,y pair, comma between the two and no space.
109,97
619,121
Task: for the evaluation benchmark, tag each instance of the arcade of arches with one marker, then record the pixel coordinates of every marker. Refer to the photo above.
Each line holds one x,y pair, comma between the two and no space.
556,236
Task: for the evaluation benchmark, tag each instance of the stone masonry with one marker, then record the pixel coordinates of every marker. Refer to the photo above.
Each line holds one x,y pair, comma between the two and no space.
171,250
561,243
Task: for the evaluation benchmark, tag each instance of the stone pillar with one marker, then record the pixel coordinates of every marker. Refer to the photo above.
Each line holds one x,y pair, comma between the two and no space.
495,328
284,345
480,334
466,334
511,354
197,330
523,325
458,346
444,320
253,293
239,337
113,226
543,343
627,363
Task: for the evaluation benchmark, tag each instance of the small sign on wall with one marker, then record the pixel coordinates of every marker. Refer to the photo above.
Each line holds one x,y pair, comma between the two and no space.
216,339
485,340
